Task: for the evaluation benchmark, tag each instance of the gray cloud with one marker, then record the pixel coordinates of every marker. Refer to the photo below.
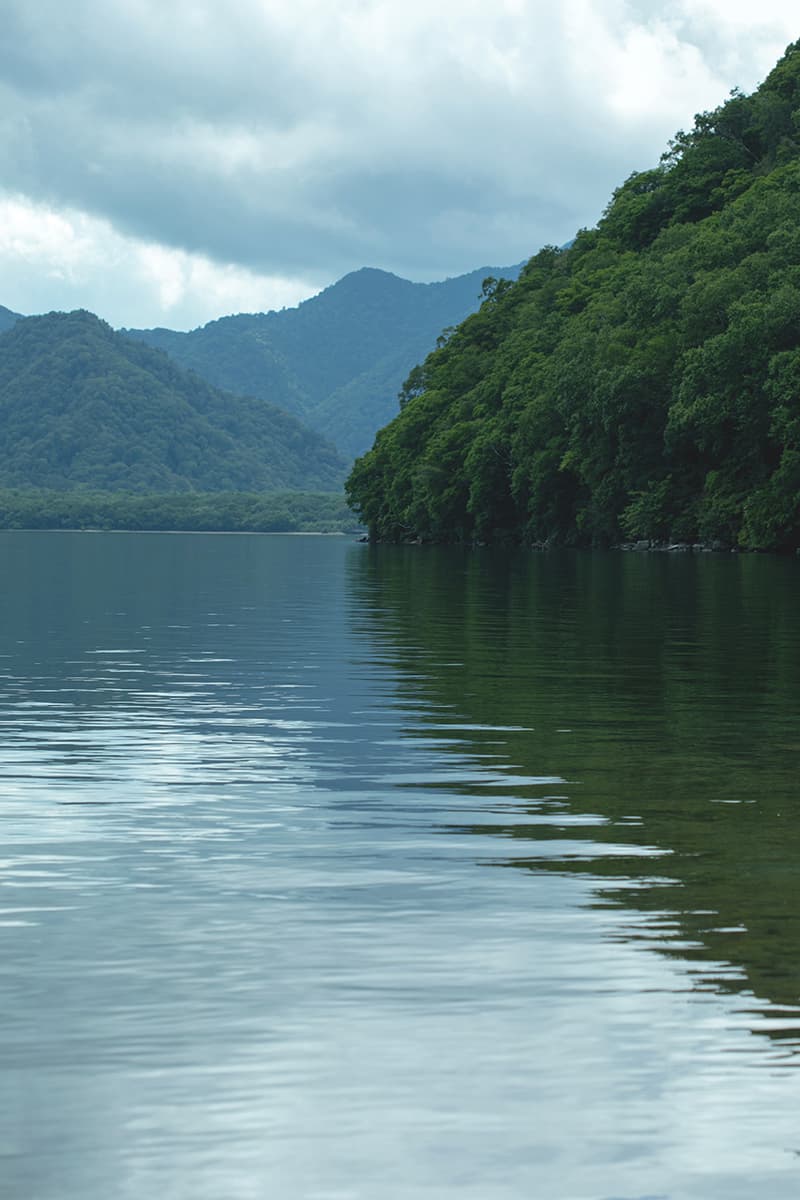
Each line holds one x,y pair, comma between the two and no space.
303,139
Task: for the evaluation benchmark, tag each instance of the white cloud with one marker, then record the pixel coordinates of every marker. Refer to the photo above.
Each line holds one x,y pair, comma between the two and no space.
64,260
293,142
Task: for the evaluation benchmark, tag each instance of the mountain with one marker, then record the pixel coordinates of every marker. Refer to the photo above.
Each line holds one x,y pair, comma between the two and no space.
84,407
643,383
7,318
339,359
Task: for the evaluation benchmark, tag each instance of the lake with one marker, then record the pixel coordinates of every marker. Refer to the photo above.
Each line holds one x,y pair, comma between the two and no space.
340,872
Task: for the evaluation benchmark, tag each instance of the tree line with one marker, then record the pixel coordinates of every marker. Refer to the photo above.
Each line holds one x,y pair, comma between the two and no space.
234,512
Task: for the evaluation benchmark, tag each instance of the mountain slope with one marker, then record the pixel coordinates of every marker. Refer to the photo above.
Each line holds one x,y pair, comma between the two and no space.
82,406
643,383
337,360
7,318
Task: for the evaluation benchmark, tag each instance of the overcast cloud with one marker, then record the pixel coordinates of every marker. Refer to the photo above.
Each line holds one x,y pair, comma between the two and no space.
167,161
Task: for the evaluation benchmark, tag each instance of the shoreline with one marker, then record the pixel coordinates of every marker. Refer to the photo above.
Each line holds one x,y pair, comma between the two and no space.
203,532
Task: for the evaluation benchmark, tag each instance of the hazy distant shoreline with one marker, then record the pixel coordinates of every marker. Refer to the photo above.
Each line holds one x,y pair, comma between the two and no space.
204,532
181,512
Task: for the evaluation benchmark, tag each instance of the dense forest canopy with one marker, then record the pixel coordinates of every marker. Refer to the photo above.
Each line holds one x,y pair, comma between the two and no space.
84,407
644,383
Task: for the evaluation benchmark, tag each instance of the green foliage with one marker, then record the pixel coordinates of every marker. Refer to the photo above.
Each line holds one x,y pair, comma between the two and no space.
238,512
84,407
644,382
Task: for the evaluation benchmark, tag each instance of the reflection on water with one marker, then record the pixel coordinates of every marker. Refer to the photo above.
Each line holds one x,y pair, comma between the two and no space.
256,941
666,692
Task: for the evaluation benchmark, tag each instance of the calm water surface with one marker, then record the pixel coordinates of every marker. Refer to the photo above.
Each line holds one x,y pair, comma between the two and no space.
330,872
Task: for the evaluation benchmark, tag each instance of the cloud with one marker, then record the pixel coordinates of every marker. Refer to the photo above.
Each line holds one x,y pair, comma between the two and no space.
299,141
64,259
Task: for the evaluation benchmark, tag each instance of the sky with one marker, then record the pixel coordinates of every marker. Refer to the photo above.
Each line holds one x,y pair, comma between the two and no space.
165,162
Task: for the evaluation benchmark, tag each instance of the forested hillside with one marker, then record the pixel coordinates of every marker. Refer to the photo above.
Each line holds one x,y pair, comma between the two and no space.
644,383
84,407
337,360
7,318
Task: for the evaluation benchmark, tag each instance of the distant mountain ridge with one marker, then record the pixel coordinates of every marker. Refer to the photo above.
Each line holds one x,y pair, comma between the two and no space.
337,360
8,318
84,407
